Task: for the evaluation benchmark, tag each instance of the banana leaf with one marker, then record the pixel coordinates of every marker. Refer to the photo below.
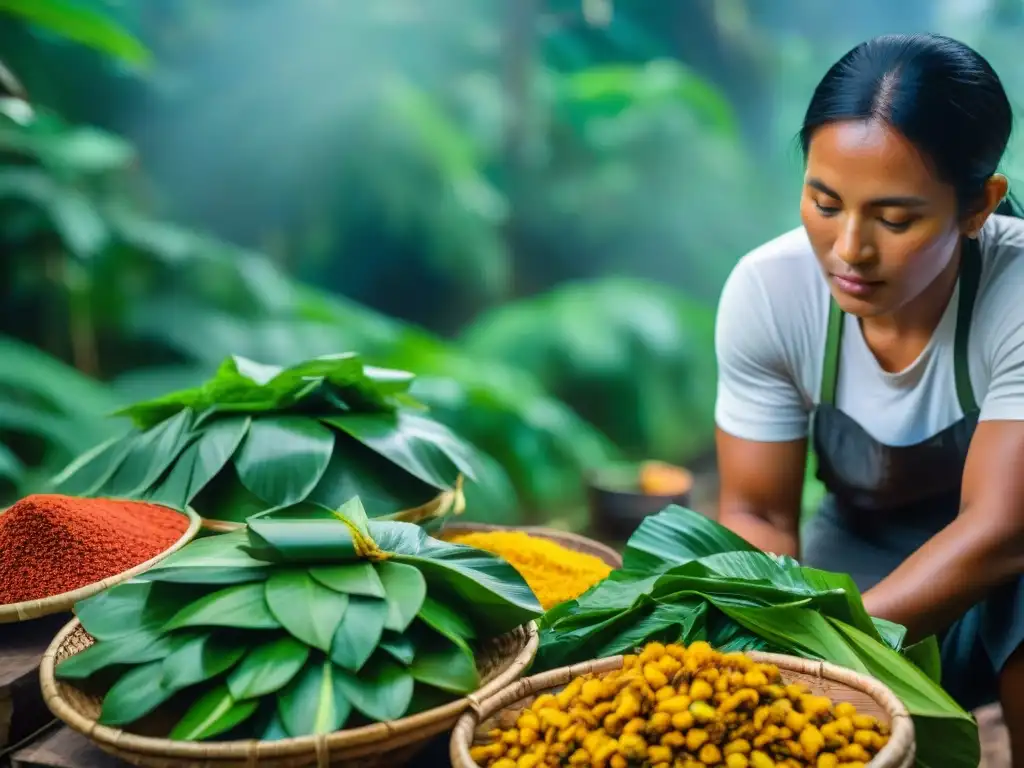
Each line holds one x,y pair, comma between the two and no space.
321,616
686,578
256,436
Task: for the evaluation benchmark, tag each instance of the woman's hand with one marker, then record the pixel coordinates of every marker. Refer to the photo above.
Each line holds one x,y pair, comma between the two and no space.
977,552
761,486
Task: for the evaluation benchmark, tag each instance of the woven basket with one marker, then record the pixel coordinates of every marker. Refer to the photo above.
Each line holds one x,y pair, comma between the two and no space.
572,541
839,684
501,661
34,609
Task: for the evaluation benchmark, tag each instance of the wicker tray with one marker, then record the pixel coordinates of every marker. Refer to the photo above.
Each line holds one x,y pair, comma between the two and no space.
867,694
501,662
34,609
572,541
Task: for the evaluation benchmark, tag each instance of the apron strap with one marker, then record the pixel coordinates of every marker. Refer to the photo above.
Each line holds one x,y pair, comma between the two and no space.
970,277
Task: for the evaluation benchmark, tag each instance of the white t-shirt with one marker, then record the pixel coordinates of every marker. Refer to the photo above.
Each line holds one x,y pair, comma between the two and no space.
770,341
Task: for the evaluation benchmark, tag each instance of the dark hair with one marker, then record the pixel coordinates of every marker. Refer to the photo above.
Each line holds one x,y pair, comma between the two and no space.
939,93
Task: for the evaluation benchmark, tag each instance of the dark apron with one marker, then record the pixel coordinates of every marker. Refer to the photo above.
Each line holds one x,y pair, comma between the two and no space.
885,501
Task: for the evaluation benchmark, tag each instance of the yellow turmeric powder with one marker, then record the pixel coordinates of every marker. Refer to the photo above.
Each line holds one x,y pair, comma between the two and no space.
554,573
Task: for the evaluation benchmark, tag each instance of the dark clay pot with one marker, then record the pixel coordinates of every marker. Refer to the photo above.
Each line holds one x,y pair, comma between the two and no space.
618,506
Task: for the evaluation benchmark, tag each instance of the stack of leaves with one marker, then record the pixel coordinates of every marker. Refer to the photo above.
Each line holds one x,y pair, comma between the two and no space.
257,436
685,578
297,625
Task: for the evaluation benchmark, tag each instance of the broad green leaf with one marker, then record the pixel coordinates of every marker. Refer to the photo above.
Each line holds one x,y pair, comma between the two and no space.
947,736
314,701
267,668
351,579
359,634
242,606
446,665
406,589
135,695
284,457
891,633
213,713
216,445
140,647
150,454
400,646
491,591
446,620
199,659
682,622
425,448
674,536
307,609
382,690
124,609
82,24
312,541
86,474
926,655
172,490
219,559
275,730
382,486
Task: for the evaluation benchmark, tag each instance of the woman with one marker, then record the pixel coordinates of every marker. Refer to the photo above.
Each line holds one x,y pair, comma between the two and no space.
889,331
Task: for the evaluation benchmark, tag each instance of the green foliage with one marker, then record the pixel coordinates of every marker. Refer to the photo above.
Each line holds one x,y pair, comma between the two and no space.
75,21
323,430
333,620
635,359
686,578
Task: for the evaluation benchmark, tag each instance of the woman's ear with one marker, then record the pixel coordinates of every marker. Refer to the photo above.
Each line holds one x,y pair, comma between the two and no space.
995,191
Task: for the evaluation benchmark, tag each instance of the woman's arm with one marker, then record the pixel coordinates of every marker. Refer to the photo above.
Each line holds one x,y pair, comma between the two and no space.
761,485
982,548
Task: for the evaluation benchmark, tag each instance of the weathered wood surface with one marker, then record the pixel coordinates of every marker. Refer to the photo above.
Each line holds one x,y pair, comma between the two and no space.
60,747
22,711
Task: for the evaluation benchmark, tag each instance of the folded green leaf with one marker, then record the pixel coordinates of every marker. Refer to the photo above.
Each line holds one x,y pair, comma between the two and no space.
130,607
674,536
283,458
267,668
243,606
318,541
135,695
495,597
140,647
350,579
382,690
359,634
305,608
314,701
200,658
400,646
406,589
213,714
447,665
149,454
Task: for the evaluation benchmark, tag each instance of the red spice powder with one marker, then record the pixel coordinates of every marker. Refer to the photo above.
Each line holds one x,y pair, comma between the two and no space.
50,544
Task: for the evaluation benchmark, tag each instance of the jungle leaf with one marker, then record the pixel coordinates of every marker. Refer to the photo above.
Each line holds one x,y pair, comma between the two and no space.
406,589
305,608
382,690
283,458
360,633
242,606
314,701
267,668
351,579
213,713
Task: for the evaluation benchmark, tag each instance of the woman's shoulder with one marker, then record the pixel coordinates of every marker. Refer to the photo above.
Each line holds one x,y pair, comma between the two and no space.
781,265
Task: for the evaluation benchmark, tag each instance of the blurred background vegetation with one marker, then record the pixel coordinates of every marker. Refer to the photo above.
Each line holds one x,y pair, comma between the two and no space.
531,204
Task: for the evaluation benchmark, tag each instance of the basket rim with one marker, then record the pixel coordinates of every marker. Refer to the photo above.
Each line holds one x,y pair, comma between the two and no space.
599,549
35,609
245,749
901,742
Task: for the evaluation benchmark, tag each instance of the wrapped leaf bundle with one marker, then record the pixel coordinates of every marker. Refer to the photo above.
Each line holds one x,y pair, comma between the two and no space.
257,436
687,579
297,625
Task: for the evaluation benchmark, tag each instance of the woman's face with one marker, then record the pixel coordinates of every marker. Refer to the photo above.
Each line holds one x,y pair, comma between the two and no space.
882,225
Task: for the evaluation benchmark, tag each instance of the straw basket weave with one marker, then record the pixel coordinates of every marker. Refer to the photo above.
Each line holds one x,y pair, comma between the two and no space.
839,684
572,541
34,609
501,661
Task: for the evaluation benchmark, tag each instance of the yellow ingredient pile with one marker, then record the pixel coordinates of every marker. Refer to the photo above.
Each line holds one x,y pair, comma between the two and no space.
676,707
554,573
